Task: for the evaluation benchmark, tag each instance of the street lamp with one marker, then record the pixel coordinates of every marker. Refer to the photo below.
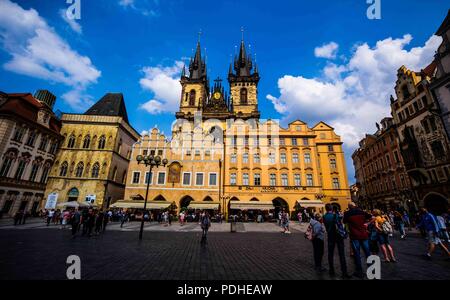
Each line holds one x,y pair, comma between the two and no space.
152,161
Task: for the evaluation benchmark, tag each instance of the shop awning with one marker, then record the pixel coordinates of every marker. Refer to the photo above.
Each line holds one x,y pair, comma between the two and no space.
204,205
252,205
140,204
311,203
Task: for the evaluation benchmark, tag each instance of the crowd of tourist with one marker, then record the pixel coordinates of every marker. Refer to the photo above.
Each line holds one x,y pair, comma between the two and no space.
370,232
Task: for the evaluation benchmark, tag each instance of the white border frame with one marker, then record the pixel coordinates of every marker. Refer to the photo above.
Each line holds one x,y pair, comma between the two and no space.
132,177
190,179
209,179
157,178
203,181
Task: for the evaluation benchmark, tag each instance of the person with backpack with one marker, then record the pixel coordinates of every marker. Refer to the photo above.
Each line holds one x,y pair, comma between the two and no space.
336,234
205,223
430,224
356,219
384,229
316,233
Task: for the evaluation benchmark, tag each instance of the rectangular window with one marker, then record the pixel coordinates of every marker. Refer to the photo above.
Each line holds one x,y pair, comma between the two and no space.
31,138
233,158
53,148
197,152
336,183
18,135
188,152
20,170
245,158
148,177
152,152
246,141
284,180
212,179
160,152
199,179
145,152
34,171
161,178
257,179
233,179
256,158
273,179
305,142
272,158
330,148
282,142
309,180
388,160
307,158
283,158
136,177
294,141
295,158
245,179
297,180
333,163
186,178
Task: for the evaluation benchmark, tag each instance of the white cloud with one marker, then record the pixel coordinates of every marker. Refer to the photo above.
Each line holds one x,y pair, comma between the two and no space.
71,22
142,8
327,51
38,51
126,3
353,96
164,83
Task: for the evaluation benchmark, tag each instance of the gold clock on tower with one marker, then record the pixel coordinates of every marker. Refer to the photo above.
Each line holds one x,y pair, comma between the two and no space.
216,95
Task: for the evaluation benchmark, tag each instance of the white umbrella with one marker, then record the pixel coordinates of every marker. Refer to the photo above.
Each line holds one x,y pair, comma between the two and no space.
73,204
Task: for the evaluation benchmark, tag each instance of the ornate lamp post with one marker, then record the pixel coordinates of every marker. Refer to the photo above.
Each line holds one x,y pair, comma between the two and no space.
152,161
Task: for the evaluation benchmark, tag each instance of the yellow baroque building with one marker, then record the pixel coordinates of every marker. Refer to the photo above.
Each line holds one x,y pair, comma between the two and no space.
223,157
92,161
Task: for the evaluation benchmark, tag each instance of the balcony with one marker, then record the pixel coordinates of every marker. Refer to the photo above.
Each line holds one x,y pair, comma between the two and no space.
15,183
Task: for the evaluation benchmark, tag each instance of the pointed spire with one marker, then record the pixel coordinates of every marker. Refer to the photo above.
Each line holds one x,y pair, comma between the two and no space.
183,72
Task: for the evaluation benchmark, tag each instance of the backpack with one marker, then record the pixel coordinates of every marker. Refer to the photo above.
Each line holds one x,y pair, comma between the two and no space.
340,229
386,227
309,233
206,222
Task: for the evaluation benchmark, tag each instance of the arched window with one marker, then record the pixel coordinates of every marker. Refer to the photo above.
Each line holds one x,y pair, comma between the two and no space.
95,170
102,142
119,147
244,96
79,171
114,174
87,142
71,141
73,194
45,172
192,98
8,160
63,169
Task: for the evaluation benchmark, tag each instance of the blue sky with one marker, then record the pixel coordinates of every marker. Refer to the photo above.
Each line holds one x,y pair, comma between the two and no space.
136,48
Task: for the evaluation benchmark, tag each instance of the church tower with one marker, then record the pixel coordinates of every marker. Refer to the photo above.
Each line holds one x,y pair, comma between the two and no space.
195,86
244,85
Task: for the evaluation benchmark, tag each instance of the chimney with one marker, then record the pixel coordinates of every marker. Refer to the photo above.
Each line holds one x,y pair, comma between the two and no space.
46,97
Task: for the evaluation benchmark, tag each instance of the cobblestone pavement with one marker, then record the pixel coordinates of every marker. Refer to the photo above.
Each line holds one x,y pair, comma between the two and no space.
37,223
257,252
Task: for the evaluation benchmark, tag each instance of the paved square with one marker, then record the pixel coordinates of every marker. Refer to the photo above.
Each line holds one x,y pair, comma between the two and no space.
256,251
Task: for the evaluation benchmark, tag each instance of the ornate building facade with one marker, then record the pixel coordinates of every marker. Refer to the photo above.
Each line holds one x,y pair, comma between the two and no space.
29,138
424,143
382,181
92,161
222,156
